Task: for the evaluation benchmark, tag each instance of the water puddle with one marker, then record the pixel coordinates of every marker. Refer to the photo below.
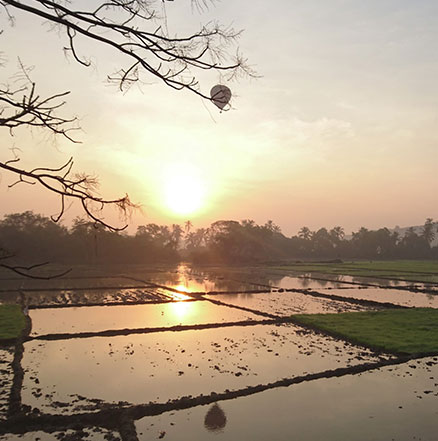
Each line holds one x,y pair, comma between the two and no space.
393,403
80,374
6,377
287,303
102,318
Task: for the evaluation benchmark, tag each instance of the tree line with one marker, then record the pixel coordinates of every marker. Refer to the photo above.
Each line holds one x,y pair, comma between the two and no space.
33,238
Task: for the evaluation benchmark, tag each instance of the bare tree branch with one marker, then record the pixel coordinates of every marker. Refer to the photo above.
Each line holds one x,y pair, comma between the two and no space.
120,24
23,106
78,186
129,27
26,271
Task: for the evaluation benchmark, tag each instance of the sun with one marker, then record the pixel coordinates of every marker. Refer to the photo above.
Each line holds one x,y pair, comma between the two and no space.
183,190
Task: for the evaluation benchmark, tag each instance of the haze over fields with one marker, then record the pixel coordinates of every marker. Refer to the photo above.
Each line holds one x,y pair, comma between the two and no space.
340,129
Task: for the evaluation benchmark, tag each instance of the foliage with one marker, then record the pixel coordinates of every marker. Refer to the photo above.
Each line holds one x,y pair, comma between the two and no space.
366,244
12,321
406,331
35,238
137,34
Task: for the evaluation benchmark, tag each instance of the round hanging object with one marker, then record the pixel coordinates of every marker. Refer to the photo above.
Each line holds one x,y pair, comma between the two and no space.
220,95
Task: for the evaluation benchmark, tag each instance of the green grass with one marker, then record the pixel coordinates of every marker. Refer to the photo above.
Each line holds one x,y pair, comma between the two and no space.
400,331
410,270
12,321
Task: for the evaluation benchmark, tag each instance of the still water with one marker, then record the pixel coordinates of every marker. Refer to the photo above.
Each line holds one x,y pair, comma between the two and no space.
102,318
168,365
393,403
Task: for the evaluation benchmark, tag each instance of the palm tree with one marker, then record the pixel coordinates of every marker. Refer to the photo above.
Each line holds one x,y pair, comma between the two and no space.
305,233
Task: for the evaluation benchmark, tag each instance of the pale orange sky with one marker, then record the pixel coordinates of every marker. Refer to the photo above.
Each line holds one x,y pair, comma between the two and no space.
341,128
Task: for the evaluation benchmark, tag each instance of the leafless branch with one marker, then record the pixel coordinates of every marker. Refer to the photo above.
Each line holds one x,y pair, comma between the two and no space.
26,271
123,26
79,187
23,106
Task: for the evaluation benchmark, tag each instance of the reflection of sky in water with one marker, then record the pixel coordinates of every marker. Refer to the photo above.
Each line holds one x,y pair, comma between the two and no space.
176,295
396,296
300,283
167,365
386,404
194,280
193,285
101,318
286,303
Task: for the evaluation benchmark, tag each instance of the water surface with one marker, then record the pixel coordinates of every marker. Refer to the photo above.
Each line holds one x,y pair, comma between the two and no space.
102,318
393,403
287,303
168,365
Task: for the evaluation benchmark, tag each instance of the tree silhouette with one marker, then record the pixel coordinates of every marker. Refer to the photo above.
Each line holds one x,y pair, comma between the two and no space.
428,232
129,28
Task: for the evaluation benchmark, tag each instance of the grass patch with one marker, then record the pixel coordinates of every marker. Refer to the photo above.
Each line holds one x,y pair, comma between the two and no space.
12,321
409,270
407,331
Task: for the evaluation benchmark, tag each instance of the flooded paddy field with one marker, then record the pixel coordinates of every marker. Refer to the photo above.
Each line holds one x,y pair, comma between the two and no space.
286,303
38,298
187,353
393,403
196,362
102,318
397,297
342,280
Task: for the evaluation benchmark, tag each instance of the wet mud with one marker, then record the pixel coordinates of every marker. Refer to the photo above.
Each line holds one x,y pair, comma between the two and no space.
6,379
9,297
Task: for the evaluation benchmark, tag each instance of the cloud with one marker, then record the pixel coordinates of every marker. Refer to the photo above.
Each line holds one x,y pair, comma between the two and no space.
300,133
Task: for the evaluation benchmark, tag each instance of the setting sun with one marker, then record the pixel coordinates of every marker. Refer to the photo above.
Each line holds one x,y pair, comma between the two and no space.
184,190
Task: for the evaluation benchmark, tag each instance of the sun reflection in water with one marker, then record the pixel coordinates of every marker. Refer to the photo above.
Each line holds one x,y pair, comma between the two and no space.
181,310
183,288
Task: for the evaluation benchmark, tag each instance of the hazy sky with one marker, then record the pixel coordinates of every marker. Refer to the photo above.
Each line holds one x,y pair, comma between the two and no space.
340,129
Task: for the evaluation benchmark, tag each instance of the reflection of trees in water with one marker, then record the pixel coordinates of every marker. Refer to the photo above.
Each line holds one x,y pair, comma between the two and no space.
215,420
225,280
431,297
273,280
377,281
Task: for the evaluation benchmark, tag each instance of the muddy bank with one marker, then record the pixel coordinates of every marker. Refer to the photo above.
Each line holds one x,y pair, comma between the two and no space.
178,328
15,406
363,302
